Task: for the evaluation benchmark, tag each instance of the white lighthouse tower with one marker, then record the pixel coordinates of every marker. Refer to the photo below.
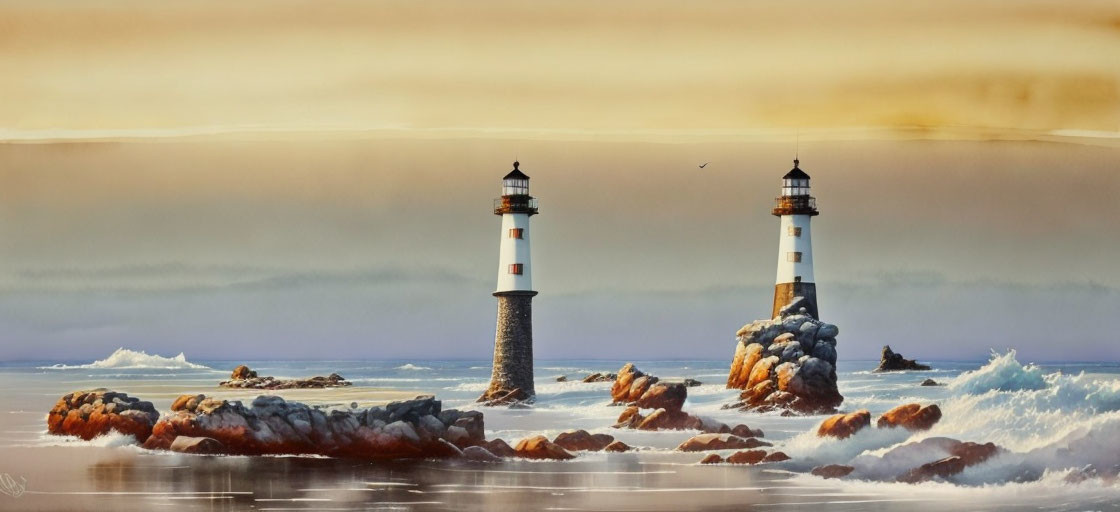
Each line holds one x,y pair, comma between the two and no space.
512,377
795,247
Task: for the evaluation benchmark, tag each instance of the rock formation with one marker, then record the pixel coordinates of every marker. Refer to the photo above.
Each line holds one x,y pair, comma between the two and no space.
710,442
539,447
930,382
582,440
788,362
600,377
892,361
844,425
270,425
243,377
88,414
961,456
911,417
640,391
832,471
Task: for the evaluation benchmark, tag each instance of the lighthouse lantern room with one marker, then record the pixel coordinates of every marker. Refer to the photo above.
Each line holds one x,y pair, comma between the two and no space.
795,207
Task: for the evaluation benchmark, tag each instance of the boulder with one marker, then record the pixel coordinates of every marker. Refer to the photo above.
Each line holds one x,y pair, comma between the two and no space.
630,418
776,457
88,414
891,361
499,448
745,431
562,378
962,456
197,445
832,471
664,395
539,447
600,377
911,417
479,454
581,440
242,372
930,382
620,390
844,425
711,458
617,447
746,457
709,442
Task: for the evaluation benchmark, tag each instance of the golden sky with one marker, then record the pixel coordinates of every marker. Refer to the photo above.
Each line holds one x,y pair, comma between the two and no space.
561,69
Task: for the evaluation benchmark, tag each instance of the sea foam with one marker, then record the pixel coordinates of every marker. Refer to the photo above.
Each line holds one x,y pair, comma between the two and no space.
125,359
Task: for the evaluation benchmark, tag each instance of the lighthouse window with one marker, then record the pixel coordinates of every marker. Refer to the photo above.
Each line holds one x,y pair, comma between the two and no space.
517,233
794,257
795,231
516,268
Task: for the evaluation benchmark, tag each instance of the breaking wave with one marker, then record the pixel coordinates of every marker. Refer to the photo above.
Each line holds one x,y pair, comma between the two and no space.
410,366
1047,423
125,359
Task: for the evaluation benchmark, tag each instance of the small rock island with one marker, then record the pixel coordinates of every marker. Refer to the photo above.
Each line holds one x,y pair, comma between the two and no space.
243,377
892,361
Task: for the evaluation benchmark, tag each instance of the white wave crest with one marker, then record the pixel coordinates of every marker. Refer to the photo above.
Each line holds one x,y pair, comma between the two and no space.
410,366
1002,373
125,359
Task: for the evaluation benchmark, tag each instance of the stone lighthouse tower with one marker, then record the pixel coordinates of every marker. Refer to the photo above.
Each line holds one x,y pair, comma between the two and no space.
795,249
512,377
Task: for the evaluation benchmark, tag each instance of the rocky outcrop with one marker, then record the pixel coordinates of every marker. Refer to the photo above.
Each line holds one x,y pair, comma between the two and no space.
832,471
788,362
582,440
664,395
911,417
270,425
710,442
891,361
88,414
539,447
600,377
630,384
638,391
844,425
962,455
243,377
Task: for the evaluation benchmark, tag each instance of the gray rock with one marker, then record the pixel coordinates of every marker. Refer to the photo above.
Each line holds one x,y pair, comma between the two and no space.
479,454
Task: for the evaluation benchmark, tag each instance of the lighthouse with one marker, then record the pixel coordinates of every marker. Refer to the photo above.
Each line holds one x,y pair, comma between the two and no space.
512,377
795,207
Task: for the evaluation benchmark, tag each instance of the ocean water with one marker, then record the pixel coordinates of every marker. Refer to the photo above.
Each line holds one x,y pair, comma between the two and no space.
1057,422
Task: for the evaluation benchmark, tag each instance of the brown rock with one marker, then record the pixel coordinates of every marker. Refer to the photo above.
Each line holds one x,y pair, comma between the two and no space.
629,418
620,390
776,457
708,442
197,445
910,417
242,372
747,457
844,425
762,371
711,458
539,447
617,446
745,431
639,387
746,356
832,471
664,395
758,393
963,456
581,440
600,377
500,448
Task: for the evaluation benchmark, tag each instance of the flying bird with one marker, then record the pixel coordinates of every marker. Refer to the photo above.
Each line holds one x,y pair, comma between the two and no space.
704,165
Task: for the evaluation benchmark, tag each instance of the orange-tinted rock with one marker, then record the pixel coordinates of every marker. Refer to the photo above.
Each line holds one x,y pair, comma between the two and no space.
747,457
711,458
196,445
668,420
88,414
910,417
630,418
844,425
762,371
746,356
639,387
664,395
620,390
582,440
832,471
617,446
242,372
776,457
708,442
539,447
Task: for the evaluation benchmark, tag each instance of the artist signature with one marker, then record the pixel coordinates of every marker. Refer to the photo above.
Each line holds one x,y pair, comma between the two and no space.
11,487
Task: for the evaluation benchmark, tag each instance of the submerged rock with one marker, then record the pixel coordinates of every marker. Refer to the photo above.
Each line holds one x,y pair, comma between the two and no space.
243,377
747,457
962,455
911,417
788,362
711,458
197,445
844,425
832,471
88,414
582,440
709,442
930,382
891,361
617,447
